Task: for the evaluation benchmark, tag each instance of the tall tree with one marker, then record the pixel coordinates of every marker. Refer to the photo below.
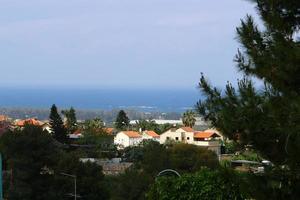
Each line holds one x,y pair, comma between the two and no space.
122,121
57,126
189,118
268,118
31,155
71,120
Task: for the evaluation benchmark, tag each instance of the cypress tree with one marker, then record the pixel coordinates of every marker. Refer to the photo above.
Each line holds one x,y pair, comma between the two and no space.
57,125
71,120
122,121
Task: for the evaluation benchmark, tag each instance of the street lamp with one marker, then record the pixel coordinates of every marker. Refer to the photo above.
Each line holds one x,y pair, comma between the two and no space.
75,183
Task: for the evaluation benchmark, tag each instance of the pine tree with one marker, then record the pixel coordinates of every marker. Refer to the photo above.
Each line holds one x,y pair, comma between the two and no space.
188,118
57,125
71,120
266,118
122,121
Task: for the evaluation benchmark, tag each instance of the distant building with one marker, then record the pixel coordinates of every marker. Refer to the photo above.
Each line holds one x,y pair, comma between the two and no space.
109,131
30,121
150,135
132,138
210,139
161,121
127,138
76,134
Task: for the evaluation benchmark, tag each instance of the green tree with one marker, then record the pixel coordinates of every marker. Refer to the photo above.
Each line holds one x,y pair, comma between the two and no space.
71,120
122,121
93,126
89,175
190,158
31,155
57,126
266,118
203,185
189,118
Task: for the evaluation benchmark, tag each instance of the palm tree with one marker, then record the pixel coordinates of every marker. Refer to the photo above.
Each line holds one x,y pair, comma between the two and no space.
189,118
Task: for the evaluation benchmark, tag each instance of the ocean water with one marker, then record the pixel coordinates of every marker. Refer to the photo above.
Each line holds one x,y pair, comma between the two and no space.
140,99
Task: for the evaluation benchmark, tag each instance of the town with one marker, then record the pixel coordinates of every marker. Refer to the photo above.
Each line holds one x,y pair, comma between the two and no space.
150,100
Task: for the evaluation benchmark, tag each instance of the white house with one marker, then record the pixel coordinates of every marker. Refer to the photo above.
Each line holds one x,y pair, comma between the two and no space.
184,134
127,138
150,135
208,138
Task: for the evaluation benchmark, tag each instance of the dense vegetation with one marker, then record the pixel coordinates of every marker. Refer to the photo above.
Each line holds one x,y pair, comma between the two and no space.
266,119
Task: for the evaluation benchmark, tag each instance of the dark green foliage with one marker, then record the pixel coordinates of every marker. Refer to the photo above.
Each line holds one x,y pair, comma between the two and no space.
203,185
154,157
267,119
132,185
189,118
57,126
93,126
122,121
190,158
31,155
89,177
149,159
36,161
71,120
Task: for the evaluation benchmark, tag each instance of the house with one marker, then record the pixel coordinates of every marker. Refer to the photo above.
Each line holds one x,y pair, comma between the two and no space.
150,135
209,138
3,118
109,131
76,134
127,138
30,121
183,134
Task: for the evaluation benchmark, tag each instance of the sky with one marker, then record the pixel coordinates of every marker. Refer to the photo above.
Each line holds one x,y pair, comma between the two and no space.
118,43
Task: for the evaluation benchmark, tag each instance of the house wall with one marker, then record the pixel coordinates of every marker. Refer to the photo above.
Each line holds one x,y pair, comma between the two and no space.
121,139
148,137
134,141
176,136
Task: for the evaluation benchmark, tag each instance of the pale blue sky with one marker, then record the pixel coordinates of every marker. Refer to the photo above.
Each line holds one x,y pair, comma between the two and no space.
118,43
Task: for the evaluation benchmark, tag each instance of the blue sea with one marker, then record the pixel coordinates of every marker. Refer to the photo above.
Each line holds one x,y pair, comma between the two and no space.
164,100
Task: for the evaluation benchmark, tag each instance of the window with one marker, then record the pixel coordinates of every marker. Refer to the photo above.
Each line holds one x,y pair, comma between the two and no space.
176,138
188,138
168,138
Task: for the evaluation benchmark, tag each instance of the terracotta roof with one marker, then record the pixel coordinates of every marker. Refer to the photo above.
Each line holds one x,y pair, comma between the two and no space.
152,134
204,134
3,118
187,129
30,121
109,130
132,134
77,132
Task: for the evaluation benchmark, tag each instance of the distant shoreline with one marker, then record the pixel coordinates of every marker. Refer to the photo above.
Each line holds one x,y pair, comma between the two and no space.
83,114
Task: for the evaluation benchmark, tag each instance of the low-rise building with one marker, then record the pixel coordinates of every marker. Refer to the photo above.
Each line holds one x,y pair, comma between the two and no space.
150,135
183,134
208,138
127,138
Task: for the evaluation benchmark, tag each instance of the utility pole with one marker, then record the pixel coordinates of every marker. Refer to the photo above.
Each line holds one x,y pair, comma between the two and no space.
75,183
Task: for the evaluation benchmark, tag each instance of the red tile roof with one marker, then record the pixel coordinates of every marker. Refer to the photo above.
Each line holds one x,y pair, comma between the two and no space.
152,134
203,135
30,121
187,129
3,118
109,130
132,134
